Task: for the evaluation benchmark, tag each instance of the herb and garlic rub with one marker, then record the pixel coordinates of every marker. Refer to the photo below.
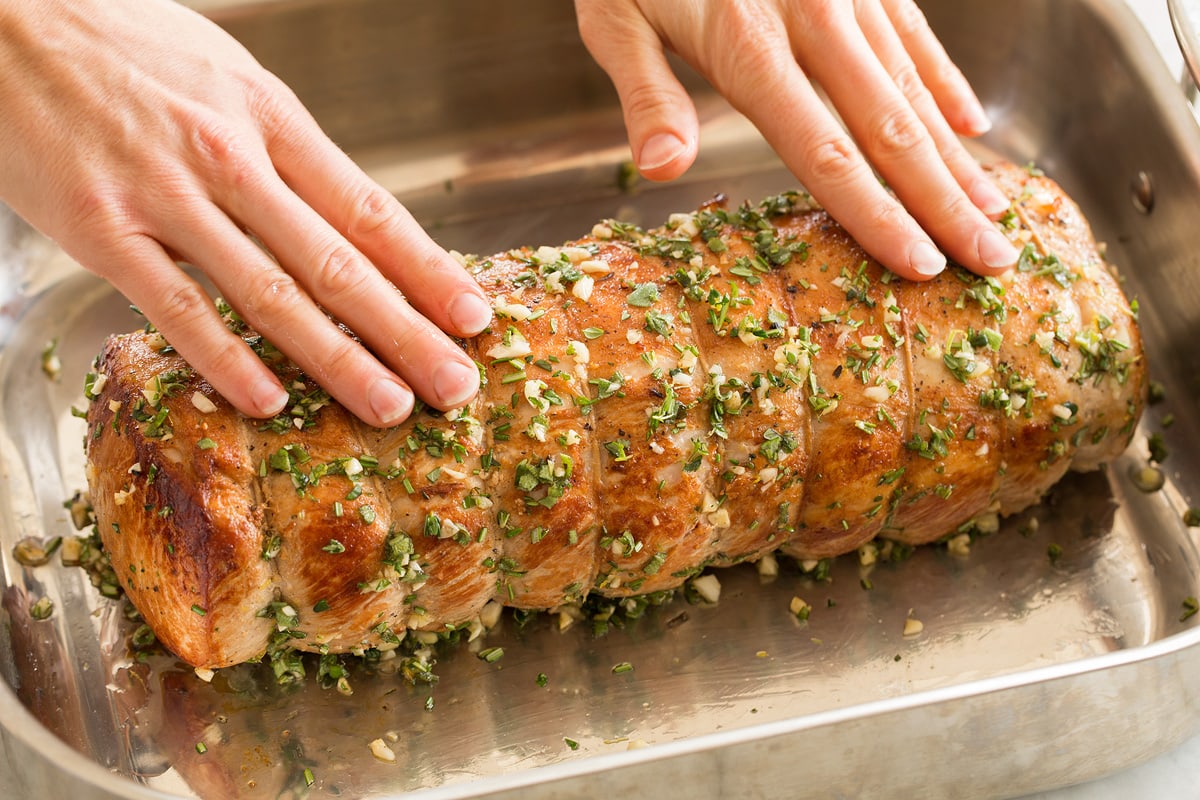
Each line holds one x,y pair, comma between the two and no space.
656,402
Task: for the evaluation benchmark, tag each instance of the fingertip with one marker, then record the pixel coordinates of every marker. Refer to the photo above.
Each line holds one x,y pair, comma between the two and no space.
470,313
268,397
972,120
988,198
924,260
996,252
455,383
665,155
390,401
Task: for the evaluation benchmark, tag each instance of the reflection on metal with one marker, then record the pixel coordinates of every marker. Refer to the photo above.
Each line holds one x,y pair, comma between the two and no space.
1142,192
1185,20
1086,651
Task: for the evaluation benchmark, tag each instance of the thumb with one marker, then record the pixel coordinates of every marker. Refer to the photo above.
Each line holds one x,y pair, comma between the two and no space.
660,117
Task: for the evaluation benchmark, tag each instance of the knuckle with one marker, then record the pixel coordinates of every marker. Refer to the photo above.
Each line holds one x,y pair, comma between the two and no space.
187,305
222,151
412,337
908,20
99,212
264,92
343,362
345,355
909,82
226,357
889,215
437,262
374,212
832,160
823,15
338,272
958,207
408,334
278,297
753,77
272,103
896,134
648,99
738,67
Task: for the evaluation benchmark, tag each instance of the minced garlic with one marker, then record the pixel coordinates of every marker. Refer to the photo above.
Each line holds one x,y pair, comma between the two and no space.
381,751
708,587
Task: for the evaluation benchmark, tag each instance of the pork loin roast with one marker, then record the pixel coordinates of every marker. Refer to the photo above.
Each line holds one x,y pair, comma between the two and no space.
656,402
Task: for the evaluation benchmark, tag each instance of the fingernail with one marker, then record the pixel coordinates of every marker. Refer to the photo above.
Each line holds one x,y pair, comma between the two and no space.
995,250
470,313
977,119
659,150
390,401
926,260
988,198
455,383
268,397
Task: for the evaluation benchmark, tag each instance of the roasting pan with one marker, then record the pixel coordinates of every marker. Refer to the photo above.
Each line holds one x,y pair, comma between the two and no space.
1059,649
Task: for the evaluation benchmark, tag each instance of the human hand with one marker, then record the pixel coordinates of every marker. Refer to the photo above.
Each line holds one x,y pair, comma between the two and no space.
885,73
135,132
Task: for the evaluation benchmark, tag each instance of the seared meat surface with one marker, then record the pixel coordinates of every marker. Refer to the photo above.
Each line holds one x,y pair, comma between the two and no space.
657,402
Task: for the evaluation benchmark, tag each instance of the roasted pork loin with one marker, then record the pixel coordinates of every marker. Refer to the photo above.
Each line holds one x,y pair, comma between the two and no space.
657,402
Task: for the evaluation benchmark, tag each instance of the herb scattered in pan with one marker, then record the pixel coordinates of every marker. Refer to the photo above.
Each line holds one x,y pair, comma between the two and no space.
51,363
1190,607
42,609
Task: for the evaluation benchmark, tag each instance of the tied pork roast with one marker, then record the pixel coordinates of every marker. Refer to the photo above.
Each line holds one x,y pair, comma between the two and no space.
656,403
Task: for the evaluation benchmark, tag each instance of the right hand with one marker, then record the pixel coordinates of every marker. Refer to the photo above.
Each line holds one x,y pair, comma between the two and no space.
135,131
886,75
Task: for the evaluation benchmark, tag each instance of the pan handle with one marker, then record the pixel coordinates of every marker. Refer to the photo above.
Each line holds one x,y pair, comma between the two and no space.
1185,20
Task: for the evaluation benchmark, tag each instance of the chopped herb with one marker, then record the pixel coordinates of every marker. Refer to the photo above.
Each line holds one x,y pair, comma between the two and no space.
271,546
1157,447
334,546
42,609
644,295
655,563
661,324
1157,393
1190,607
492,654
618,449
774,442
624,666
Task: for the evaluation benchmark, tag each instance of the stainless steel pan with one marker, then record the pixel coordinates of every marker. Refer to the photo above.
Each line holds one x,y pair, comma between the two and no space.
489,121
